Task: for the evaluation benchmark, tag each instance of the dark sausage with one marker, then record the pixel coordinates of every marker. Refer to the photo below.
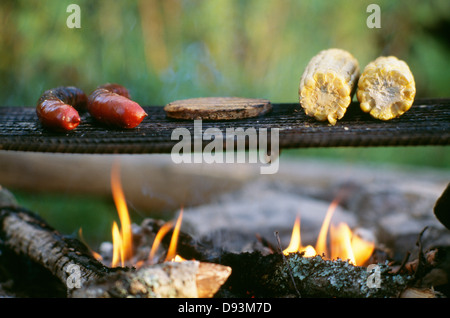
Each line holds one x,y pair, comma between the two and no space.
111,105
58,108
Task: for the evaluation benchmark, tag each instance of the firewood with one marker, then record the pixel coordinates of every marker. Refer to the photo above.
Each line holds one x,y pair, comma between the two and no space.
25,233
210,277
71,262
270,276
418,293
186,279
274,275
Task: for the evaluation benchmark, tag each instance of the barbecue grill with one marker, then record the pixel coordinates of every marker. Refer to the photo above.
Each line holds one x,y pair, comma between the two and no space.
426,123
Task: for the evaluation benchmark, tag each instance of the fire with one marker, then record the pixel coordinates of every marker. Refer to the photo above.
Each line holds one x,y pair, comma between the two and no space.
159,236
171,254
341,245
118,249
321,244
296,245
123,238
344,244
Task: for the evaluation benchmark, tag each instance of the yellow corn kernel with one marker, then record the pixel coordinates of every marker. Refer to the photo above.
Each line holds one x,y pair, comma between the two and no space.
327,84
386,88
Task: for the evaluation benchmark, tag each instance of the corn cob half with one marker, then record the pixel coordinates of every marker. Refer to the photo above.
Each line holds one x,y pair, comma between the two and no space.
327,84
386,88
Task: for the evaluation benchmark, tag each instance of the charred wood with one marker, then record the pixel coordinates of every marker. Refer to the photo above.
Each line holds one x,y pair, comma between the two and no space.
66,260
23,233
260,275
270,276
188,247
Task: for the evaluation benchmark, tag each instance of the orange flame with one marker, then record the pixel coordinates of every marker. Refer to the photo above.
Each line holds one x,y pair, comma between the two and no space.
362,249
341,246
158,238
122,240
343,243
117,247
296,244
171,254
321,244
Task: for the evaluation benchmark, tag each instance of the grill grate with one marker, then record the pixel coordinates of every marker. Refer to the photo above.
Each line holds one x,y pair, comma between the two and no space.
426,123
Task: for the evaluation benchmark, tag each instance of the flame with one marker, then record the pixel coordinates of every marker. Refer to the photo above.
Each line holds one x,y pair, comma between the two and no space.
362,249
341,246
158,238
321,244
118,251
295,238
122,240
171,254
178,258
296,244
344,244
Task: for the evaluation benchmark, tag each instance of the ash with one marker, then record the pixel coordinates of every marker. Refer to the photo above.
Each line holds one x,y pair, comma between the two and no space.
386,204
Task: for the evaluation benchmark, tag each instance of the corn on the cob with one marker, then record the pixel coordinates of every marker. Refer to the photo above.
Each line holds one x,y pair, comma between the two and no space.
386,88
327,84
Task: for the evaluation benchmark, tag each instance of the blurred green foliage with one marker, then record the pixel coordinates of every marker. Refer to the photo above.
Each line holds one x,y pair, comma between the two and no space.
164,50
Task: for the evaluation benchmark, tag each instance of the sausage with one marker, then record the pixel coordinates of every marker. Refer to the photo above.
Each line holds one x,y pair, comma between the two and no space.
58,108
111,105
116,88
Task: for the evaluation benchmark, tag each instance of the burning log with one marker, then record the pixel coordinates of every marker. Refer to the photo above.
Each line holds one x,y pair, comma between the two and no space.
71,262
254,274
297,276
277,275
294,275
187,279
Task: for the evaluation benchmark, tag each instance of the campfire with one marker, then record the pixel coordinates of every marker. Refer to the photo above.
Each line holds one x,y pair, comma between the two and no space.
122,238
158,259
344,244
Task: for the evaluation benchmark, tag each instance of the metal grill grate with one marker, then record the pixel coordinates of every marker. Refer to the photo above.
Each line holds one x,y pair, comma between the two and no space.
426,123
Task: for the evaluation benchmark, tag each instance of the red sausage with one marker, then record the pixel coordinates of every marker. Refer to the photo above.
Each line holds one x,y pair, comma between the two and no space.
111,105
116,88
58,108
